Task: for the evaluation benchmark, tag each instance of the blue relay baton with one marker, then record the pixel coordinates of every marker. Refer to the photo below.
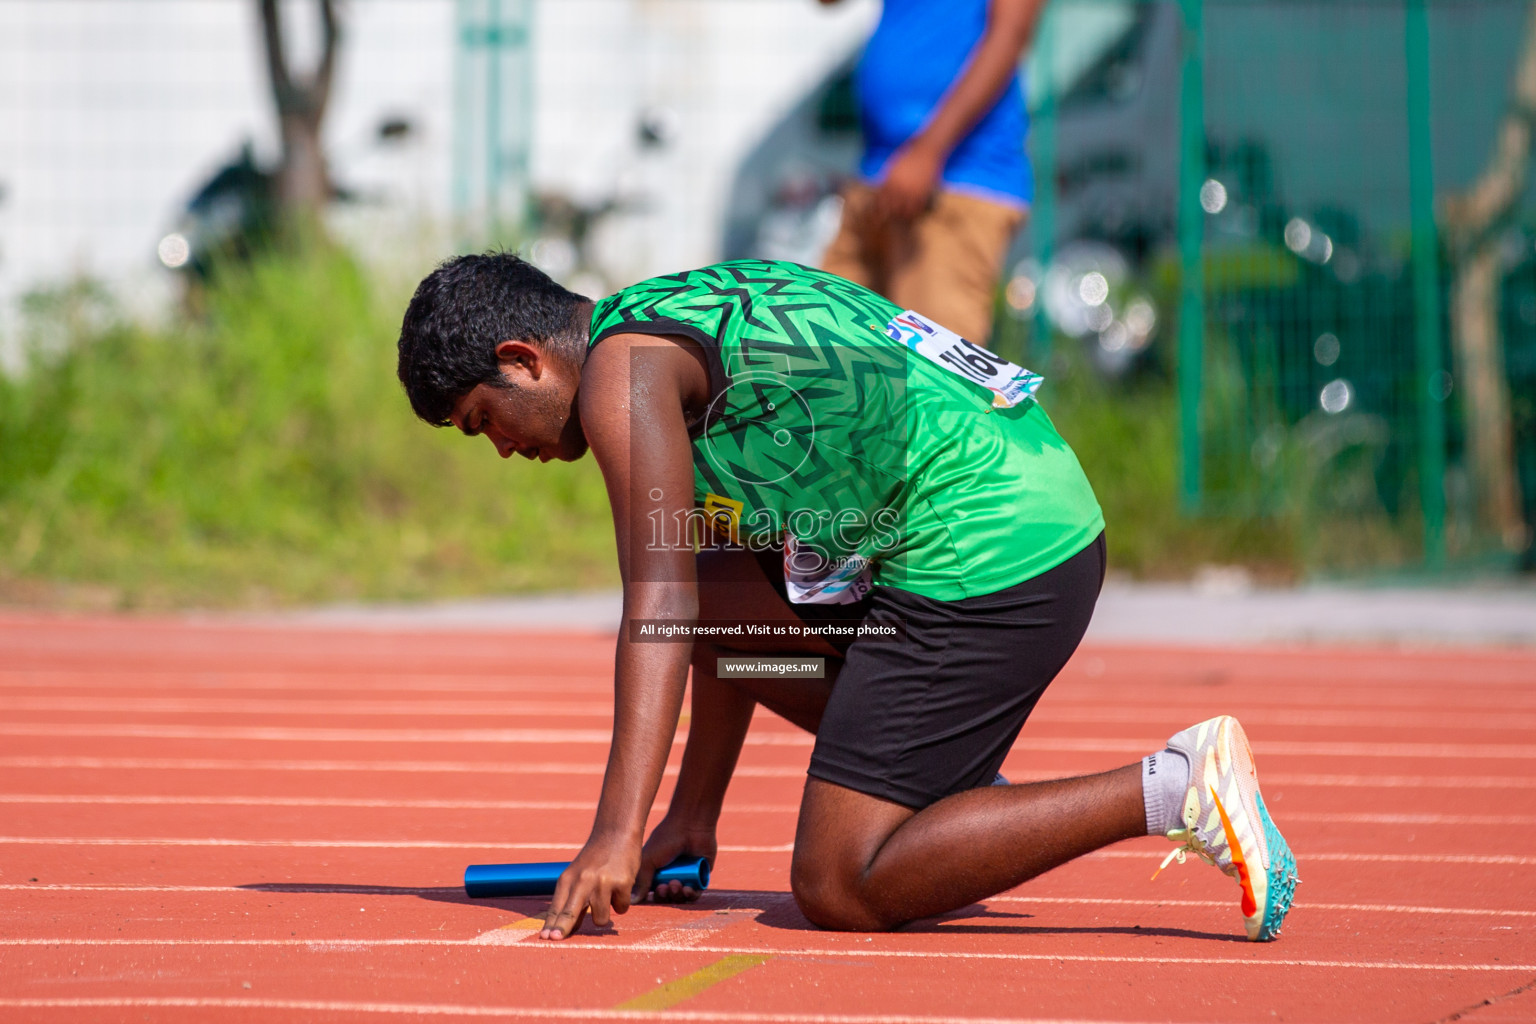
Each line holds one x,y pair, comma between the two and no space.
482,881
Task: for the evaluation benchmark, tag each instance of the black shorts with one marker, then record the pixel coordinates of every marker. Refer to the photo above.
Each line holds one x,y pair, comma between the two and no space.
936,712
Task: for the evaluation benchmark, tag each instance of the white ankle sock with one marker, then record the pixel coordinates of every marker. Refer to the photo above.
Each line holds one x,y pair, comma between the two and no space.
1164,781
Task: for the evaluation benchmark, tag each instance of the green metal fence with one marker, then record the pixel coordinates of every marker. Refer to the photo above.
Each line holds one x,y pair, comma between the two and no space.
493,105
1333,206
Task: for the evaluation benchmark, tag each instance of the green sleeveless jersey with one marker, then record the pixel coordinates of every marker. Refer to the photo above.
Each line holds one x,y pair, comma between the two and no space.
872,462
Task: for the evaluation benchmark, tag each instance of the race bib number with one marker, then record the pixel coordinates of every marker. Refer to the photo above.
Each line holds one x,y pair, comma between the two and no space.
810,578
1009,383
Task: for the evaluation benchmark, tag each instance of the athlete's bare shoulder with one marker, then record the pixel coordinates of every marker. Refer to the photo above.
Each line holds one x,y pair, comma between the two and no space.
627,371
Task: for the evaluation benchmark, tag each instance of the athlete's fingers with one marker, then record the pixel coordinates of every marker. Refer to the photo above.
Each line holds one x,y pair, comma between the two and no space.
608,897
566,909
556,905
601,918
563,924
644,879
675,892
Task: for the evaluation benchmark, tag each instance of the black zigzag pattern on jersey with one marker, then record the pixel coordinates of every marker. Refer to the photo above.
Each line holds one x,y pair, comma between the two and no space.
774,325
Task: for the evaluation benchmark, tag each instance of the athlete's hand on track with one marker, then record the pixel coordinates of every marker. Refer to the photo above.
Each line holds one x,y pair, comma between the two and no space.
601,877
910,180
669,840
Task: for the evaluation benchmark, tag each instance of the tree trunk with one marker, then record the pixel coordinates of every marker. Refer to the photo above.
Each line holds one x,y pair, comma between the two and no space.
1473,222
303,180
1485,394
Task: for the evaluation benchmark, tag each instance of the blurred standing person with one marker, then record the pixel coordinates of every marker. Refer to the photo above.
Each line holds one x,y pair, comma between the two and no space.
945,181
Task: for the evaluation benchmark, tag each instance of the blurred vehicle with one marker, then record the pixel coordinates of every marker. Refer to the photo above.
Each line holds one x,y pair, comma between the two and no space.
231,216
235,213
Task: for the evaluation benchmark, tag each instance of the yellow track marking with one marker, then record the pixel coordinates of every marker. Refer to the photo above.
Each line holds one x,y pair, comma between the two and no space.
673,992
508,934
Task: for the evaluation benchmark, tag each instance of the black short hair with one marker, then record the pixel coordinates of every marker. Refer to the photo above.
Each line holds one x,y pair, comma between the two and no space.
462,311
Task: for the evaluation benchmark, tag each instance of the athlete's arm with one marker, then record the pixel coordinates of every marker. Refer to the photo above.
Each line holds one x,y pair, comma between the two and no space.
913,173
632,398
717,726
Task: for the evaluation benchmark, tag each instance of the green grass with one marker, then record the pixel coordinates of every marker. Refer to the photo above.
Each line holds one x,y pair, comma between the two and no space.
1126,436
261,454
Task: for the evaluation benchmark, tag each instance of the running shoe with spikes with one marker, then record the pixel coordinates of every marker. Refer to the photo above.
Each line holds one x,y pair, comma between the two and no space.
1227,826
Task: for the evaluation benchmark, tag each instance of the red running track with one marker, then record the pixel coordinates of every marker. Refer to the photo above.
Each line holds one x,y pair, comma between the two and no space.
221,823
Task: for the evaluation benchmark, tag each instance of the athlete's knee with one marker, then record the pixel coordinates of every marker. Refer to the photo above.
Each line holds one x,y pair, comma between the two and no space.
830,900
834,891
839,836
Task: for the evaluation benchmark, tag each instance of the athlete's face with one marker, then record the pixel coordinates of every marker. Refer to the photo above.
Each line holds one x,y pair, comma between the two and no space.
535,416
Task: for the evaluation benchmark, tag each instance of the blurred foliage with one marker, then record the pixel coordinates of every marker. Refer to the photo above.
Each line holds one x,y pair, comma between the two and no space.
1315,511
262,453
1126,435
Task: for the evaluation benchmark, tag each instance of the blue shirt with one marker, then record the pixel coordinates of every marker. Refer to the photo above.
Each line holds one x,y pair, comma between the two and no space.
917,52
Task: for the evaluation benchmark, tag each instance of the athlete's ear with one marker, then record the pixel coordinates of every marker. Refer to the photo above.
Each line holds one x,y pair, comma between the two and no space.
520,358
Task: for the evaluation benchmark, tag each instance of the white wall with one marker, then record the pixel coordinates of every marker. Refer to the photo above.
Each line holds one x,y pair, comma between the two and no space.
113,111
723,69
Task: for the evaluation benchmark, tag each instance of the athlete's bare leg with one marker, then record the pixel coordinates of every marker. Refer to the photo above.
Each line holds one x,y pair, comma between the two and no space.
862,863
865,863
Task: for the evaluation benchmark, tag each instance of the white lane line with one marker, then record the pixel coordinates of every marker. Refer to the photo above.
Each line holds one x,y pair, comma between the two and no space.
744,771
1393,672
306,801
148,800
1255,696
1324,708
1362,858
649,947
1521,751
425,767
261,889
339,844
1299,748
760,738
1401,781
755,897
289,733
203,764
521,1012
601,706
600,686
1082,711
436,844
1411,819
1090,699
1373,908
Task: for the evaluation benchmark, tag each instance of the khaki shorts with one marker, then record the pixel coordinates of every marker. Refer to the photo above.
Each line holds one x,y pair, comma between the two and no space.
944,265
